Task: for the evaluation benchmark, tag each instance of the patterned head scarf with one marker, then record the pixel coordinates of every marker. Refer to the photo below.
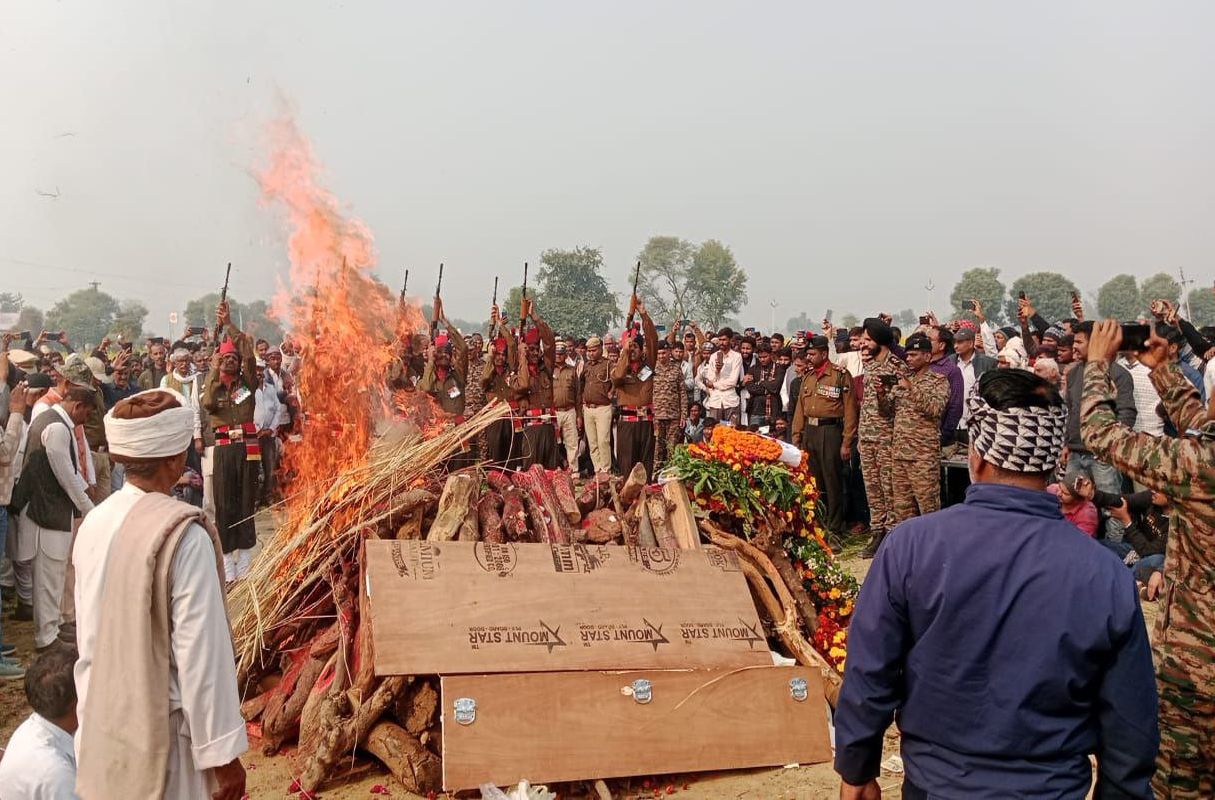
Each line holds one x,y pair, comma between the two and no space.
1018,439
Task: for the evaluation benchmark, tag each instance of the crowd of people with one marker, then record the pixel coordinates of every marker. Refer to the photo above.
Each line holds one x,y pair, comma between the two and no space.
1059,427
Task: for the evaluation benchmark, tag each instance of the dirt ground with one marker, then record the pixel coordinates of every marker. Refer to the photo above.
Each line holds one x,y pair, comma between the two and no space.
272,777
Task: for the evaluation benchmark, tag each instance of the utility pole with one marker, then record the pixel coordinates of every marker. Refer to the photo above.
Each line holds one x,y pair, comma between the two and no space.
929,288
1185,294
772,318
94,284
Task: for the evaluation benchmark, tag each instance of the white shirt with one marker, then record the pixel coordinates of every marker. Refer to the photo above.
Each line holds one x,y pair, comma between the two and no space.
850,361
266,405
189,390
59,442
283,418
1146,399
202,666
724,392
39,763
967,368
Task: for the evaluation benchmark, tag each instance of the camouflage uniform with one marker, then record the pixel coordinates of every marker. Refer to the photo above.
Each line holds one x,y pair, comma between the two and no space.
670,408
876,435
917,444
1184,470
474,397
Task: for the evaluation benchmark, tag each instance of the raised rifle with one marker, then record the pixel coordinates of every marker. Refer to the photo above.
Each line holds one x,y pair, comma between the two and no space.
523,304
223,294
636,276
493,328
405,286
434,311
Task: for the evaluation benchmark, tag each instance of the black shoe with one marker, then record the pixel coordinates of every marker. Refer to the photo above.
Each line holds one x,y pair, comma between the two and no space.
24,612
874,542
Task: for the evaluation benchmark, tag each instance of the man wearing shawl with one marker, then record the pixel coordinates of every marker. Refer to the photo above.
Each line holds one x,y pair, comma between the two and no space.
1010,646
156,681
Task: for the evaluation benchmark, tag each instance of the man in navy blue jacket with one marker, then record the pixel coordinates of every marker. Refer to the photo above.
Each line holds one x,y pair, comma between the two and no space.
1009,645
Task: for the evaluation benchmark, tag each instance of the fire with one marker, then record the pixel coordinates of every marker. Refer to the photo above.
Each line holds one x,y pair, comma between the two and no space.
345,322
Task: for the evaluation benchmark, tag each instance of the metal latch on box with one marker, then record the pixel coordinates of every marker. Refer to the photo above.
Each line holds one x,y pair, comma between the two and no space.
798,689
465,710
641,690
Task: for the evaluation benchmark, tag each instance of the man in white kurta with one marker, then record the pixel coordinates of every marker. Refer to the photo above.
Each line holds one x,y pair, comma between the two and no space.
205,721
44,542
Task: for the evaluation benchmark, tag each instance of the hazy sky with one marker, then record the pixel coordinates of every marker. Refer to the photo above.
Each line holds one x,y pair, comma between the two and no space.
847,152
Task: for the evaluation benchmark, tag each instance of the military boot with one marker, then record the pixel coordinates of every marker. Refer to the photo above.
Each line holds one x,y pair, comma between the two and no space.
874,542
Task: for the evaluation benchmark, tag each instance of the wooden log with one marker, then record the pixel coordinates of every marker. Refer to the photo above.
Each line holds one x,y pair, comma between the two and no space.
417,708
419,770
409,516
660,522
645,529
457,517
499,480
559,522
547,520
284,724
594,495
793,582
633,485
563,490
768,585
683,519
346,723
514,515
602,526
489,517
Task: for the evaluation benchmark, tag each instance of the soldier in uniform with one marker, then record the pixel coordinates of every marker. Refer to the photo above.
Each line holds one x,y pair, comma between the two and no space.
920,398
474,394
445,378
1183,469
229,400
501,447
670,404
824,424
567,403
876,430
633,377
532,388
597,395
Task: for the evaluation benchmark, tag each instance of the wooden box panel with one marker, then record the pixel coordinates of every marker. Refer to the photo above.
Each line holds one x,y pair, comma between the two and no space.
562,726
471,607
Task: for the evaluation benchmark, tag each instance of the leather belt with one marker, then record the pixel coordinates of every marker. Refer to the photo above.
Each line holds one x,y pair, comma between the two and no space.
824,421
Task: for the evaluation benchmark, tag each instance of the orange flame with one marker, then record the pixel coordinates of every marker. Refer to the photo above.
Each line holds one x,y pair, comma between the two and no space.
342,320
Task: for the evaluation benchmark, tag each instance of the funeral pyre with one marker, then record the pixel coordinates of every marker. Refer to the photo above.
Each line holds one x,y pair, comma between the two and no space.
301,627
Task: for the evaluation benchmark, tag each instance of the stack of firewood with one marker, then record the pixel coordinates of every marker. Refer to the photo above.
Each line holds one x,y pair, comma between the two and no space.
305,655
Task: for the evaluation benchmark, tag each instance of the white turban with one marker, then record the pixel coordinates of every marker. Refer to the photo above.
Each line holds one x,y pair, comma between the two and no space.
161,435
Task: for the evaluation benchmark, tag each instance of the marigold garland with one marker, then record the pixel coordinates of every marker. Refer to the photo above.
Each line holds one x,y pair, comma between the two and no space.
738,475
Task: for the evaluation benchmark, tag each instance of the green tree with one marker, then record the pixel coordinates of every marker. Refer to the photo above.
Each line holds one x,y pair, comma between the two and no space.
1161,286
849,321
200,312
1049,292
718,285
982,284
30,319
906,319
799,323
664,284
11,302
573,293
128,322
1118,298
1202,306
86,315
